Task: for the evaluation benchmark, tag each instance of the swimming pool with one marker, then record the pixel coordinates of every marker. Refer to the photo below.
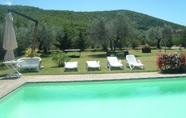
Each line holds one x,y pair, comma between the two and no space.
144,98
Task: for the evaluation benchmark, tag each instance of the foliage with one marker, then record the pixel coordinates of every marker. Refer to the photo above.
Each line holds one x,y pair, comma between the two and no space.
171,62
157,34
29,50
24,36
45,36
119,30
81,42
63,41
59,57
80,20
97,32
136,39
52,22
169,42
146,46
177,41
2,51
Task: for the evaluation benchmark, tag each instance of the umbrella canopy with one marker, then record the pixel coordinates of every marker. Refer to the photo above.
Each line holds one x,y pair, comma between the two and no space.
9,41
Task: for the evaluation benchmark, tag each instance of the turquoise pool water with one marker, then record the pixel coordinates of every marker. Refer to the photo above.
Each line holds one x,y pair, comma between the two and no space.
152,98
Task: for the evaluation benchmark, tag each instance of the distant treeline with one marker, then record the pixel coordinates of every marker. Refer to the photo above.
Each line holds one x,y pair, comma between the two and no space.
80,20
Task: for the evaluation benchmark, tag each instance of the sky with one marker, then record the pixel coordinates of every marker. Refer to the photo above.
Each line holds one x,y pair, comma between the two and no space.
169,10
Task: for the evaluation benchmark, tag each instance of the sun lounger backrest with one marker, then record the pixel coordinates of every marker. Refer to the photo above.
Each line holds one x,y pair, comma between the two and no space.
130,58
112,59
28,62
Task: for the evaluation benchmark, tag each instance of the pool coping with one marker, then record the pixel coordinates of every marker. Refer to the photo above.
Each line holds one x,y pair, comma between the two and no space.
8,85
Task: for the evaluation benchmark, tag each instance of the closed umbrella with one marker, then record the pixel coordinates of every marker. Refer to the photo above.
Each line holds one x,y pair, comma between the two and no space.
9,41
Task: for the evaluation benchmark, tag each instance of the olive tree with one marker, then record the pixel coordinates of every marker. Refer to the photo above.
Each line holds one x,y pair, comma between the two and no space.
120,30
157,33
24,36
98,33
45,36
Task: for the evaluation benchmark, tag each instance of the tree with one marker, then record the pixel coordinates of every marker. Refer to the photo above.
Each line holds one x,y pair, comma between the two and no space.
184,38
155,33
81,41
24,36
45,36
158,33
119,30
168,39
97,32
63,40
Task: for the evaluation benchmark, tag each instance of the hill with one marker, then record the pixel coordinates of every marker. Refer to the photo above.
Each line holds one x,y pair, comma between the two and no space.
80,20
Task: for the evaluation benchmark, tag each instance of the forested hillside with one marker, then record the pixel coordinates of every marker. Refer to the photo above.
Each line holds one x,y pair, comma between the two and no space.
80,20
59,29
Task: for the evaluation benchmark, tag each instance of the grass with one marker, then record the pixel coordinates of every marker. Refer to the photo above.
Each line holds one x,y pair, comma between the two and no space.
148,59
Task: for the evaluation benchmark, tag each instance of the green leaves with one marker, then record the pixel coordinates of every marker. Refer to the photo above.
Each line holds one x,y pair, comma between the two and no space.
59,57
29,50
171,62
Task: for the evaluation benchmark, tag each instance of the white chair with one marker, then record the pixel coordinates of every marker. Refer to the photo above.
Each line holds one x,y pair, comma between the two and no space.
71,65
93,64
29,63
114,62
12,66
132,62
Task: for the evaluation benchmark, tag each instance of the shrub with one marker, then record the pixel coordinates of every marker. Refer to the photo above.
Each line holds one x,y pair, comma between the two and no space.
29,50
59,57
146,48
171,62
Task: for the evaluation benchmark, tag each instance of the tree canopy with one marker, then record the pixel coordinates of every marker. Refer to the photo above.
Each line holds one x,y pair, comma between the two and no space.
69,29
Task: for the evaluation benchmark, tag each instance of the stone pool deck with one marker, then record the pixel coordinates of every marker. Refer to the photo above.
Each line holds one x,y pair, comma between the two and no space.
9,84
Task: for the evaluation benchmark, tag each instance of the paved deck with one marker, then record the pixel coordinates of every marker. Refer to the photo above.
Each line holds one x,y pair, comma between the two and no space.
9,84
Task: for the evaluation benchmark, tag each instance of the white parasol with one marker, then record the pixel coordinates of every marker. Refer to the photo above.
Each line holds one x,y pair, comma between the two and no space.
9,41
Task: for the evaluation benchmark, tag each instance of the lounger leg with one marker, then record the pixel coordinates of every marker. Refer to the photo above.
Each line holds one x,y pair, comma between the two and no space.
38,69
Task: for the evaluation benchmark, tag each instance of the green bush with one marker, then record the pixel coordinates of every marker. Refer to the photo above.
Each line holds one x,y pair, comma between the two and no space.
29,50
171,62
59,57
146,48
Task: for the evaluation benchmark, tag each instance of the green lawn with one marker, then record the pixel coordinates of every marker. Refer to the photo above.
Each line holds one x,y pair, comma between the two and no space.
148,59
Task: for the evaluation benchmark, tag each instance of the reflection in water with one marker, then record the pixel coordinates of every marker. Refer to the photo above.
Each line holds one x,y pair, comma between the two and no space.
158,88
105,89
145,92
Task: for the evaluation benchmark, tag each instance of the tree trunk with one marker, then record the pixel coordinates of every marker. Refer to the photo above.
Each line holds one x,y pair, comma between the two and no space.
115,43
158,43
45,50
40,46
111,47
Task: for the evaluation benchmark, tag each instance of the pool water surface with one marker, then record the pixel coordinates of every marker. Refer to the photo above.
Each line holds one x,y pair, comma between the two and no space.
144,98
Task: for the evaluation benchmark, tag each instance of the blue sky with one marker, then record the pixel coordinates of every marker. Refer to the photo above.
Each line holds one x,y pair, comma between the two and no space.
169,10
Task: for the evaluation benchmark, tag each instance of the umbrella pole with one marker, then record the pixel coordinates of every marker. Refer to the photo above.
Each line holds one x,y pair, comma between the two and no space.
35,30
33,42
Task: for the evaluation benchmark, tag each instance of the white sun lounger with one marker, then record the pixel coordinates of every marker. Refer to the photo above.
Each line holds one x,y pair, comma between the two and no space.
132,62
71,65
93,64
114,62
